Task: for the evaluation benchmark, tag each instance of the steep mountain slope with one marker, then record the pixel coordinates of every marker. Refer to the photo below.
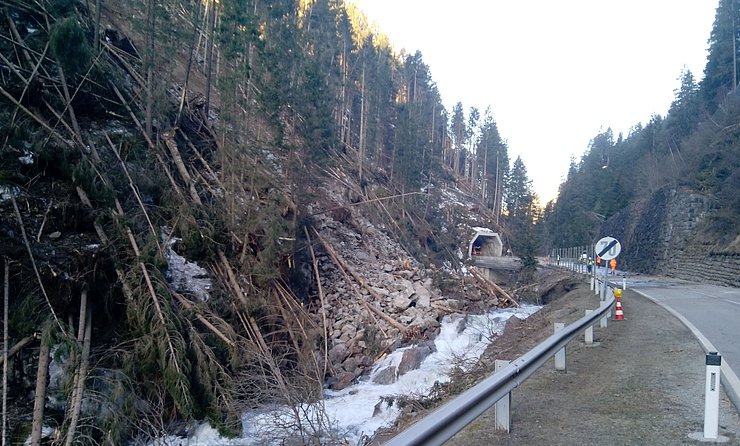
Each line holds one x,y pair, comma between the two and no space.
187,235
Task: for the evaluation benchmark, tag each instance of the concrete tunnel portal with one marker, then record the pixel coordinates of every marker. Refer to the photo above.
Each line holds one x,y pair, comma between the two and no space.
485,243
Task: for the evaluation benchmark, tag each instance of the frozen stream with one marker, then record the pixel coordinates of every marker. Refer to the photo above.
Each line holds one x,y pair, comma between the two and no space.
352,411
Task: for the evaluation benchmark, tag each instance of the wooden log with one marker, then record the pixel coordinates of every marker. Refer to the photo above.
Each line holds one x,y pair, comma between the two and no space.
42,374
169,140
491,286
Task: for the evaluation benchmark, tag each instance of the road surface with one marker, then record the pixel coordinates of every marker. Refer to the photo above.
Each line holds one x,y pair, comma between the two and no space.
711,312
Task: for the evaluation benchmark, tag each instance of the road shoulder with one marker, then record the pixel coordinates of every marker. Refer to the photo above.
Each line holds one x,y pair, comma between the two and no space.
642,384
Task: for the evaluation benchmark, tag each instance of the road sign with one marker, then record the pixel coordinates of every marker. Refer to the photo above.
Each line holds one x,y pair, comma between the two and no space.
608,248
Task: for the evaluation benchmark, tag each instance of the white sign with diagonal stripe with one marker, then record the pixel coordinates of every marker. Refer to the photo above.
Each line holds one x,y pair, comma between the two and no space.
608,248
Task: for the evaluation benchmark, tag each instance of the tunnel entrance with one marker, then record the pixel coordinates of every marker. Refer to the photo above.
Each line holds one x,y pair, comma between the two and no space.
485,243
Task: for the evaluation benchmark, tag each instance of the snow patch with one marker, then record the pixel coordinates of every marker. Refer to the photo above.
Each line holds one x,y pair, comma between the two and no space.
183,275
8,192
27,158
356,412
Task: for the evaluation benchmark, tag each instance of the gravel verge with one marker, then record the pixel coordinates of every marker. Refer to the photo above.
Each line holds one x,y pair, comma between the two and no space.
642,384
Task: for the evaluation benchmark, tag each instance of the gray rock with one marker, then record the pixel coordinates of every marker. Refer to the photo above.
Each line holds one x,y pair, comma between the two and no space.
338,353
401,302
423,299
405,286
342,380
386,376
350,364
365,361
382,291
407,274
413,357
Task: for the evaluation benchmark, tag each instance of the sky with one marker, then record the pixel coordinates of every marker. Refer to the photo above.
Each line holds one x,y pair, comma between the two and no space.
555,73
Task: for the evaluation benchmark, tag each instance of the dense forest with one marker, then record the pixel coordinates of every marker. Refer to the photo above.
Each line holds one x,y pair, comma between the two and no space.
131,129
694,146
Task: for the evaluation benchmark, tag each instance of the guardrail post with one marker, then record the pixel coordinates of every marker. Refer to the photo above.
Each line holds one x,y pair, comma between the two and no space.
560,354
592,283
711,397
503,406
603,321
597,286
624,283
589,331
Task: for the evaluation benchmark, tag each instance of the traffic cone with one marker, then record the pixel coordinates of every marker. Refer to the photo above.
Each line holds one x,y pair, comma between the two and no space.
618,314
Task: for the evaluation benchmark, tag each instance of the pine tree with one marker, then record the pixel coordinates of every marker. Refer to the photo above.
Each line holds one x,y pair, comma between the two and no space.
683,115
522,213
458,131
720,73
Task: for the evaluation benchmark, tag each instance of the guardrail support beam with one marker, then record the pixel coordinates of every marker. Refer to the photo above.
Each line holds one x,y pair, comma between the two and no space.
560,354
503,406
589,331
603,321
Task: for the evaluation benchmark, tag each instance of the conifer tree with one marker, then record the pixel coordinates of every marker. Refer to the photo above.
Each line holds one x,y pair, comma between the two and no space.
720,72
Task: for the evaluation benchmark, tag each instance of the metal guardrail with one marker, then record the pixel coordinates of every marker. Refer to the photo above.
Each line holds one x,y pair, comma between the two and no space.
442,424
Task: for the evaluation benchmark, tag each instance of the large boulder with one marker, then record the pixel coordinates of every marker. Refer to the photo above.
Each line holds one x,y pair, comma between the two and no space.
413,357
386,376
423,297
400,302
338,353
342,380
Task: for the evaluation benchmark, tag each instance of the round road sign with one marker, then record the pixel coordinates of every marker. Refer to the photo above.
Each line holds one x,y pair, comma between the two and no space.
608,248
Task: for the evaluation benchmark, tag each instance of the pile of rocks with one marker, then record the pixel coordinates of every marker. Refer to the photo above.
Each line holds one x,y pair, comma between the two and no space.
396,305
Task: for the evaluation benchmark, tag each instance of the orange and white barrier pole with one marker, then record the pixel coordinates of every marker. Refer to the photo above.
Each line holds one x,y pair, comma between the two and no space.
618,313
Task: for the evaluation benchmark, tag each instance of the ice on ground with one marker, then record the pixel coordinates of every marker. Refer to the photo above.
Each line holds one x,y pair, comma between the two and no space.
358,411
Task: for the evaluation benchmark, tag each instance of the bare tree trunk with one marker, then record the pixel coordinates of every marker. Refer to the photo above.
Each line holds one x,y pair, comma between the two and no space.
149,68
97,25
5,346
191,55
484,180
325,334
361,157
41,376
209,54
79,388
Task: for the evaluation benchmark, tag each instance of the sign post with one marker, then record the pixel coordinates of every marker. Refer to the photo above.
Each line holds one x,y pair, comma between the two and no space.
607,248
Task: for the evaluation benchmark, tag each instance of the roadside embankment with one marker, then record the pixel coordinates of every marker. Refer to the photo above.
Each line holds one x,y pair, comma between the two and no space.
641,384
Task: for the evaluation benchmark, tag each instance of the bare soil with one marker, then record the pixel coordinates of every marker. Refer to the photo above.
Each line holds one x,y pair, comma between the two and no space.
641,384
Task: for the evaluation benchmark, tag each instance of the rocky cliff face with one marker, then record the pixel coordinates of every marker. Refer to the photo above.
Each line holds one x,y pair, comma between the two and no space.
666,235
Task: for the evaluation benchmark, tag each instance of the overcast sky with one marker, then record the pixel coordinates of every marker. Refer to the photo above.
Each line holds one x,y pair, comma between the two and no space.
555,73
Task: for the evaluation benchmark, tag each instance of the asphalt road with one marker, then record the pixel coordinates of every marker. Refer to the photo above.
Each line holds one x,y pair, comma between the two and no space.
712,313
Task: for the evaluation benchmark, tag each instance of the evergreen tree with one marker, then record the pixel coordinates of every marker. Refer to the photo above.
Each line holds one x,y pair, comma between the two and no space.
522,213
492,162
720,72
683,115
457,133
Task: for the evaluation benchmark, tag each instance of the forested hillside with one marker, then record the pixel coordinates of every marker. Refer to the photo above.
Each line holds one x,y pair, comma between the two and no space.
639,186
182,185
